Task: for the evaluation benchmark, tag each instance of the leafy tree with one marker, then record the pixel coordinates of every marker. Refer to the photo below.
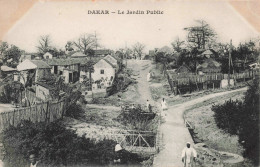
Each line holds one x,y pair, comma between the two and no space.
201,35
138,49
3,47
11,55
69,46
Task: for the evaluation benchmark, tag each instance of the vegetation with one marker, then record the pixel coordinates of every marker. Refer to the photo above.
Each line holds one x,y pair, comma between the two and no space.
242,118
54,144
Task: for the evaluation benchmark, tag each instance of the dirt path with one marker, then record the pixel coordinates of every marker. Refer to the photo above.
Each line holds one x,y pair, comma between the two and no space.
175,134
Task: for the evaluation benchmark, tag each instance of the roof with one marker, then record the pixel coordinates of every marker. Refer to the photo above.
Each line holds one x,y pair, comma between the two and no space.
32,64
66,62
207,52
102,52
114,66
183,66
50,87
111,59
165,49
209,63
78,54
47,53
6,68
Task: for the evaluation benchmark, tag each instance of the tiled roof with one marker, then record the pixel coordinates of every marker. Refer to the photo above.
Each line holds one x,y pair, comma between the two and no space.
40,64
78,54
65,62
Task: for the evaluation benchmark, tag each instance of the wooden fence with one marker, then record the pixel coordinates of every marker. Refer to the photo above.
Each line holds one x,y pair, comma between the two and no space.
44,112
188,79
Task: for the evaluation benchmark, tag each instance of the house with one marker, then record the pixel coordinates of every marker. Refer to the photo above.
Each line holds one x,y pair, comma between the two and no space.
209,53
5,70
104,71
33,71
47,55
68,68
209,66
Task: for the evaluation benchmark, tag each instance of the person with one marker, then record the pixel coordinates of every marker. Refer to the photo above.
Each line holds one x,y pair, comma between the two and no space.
164,104
147,104
33,161
118,152
148,76
188,155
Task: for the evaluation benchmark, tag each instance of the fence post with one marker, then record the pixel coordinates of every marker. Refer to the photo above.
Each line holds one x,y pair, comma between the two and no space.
47,111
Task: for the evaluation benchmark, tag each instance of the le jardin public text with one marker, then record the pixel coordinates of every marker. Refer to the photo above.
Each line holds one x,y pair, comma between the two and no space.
126,12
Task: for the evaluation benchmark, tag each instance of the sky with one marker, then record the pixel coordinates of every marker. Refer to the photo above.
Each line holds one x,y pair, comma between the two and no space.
66,21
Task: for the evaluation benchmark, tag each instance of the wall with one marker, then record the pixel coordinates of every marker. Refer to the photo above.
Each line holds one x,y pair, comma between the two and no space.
103,65
42,92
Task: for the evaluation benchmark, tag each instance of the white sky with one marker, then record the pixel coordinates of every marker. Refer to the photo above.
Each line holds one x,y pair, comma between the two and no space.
65,21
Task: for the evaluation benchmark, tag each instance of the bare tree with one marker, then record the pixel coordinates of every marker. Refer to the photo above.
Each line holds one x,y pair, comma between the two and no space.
44,44
85,42
201,35
177,45
138,49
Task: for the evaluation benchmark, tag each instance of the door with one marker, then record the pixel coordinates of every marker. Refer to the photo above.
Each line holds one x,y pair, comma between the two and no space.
70,77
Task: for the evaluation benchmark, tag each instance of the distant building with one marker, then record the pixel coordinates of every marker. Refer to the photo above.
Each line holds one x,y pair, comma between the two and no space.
68,68
47,56
26,56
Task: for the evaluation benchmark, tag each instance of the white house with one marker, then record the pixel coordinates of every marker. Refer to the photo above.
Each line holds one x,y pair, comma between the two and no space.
47,55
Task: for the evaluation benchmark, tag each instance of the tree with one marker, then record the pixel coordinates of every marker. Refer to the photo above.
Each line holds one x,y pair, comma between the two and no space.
177,45
201,35
85,42
44,44
69,46
13,54
138,49
3,47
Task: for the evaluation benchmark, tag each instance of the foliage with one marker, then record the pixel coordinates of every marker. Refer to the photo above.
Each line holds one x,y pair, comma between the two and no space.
54,144
136,118
242,118
75,111
201,35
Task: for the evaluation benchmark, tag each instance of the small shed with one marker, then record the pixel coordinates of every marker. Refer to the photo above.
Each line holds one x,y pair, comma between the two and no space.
183,69
47,55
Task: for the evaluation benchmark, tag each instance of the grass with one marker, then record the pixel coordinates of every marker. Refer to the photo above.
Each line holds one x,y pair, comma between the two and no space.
201,117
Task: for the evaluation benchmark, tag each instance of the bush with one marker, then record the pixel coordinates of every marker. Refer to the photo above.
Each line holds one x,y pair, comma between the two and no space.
75,111
227,116
54,144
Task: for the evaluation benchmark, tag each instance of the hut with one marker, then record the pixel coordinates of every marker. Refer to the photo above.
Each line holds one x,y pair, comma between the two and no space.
209,66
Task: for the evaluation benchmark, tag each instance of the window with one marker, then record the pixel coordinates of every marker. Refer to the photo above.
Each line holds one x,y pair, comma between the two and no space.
102,71
47,57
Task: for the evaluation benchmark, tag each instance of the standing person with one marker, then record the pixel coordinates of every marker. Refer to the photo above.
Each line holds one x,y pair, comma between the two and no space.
164,104
148,77
188,156
147,104
33,161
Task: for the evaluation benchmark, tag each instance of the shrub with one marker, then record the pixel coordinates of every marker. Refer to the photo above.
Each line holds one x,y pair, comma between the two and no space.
75,111
242,118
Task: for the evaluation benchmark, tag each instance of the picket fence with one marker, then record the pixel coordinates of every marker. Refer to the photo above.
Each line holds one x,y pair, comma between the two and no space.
43,112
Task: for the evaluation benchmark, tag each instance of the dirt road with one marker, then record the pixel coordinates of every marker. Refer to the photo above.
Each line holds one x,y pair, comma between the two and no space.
175,134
